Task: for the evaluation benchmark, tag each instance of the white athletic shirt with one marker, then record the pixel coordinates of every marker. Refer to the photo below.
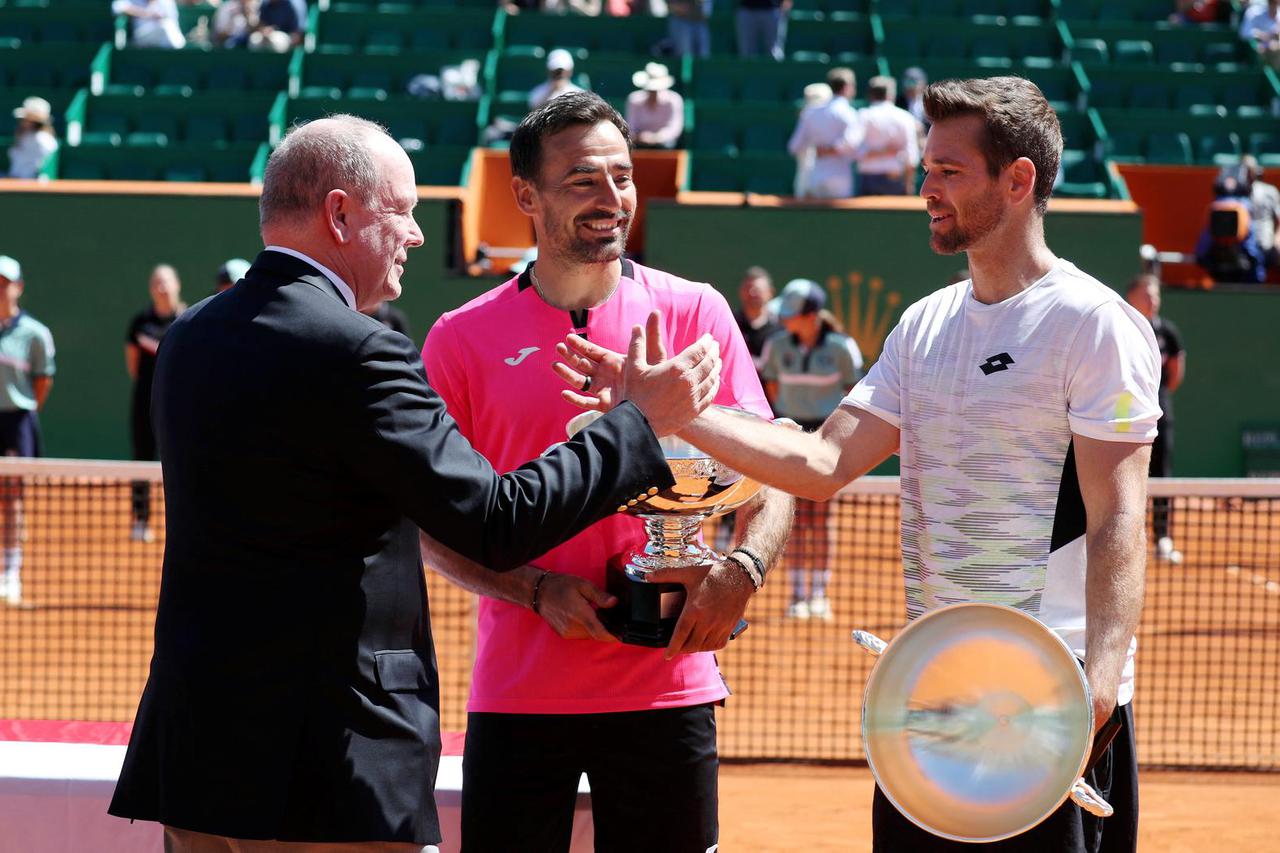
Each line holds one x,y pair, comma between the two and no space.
987,398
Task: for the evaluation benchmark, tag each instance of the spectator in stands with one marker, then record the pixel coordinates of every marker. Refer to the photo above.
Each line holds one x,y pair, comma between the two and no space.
890,147
655,113
762,27
515,7
1264,199
26,375
155,22
275,28
33,138
1144,295
815,95
141,342
912,98
229,273
230,27
834,133
559,79
688,28
808,368
1260,24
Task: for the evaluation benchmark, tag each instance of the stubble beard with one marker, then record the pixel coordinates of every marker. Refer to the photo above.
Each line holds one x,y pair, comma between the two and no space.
984,217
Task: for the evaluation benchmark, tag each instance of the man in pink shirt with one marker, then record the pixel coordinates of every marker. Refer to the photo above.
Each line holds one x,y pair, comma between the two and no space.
553,694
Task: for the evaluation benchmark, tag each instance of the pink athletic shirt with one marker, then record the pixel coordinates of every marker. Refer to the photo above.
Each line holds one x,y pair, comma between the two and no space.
491,362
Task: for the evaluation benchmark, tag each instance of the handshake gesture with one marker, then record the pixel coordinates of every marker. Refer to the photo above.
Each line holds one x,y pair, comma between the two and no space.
670,392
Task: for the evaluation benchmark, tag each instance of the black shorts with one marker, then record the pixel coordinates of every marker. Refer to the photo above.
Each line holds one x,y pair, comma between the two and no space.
653,777
19,434
1068,830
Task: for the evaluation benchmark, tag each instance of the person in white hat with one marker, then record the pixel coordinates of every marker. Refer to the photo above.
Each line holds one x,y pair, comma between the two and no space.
654,111
33,139
559,79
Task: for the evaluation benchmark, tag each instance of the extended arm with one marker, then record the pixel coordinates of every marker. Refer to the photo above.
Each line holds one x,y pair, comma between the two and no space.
1113,484
131,356
40,386
1177,367
811,465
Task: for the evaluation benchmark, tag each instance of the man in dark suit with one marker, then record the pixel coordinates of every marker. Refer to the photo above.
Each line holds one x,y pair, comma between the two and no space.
293,694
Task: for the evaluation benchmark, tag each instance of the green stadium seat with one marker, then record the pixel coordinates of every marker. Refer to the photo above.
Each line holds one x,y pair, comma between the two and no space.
765,137
1090,50
1149,96
101,138
109,123
937,8
160,124
1168,52
1216,52
134,170
950,46
82,171
1186,97
146,139
35,76
712,136
1221,149
1125,145
715,173
1264,142
768,174
318,92
190,173
1169,147
1133,51
1082,177
227,77
404,128
440,165
206,130
367,93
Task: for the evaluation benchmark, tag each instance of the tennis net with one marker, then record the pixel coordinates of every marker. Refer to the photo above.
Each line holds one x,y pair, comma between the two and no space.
75,644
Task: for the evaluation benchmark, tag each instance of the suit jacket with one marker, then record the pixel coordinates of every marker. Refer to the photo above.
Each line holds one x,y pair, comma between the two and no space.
293,691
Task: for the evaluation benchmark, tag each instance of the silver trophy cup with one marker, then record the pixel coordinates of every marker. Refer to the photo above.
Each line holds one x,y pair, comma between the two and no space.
647,612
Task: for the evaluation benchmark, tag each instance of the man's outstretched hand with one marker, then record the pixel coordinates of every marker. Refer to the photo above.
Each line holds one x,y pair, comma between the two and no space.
670,392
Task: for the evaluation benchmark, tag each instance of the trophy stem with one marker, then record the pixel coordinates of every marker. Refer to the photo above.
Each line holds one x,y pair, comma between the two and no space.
672,543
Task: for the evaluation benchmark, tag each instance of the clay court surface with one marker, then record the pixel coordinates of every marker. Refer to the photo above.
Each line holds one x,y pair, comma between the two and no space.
1208,666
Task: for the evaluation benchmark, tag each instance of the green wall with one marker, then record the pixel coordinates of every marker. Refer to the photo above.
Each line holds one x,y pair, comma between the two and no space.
86,260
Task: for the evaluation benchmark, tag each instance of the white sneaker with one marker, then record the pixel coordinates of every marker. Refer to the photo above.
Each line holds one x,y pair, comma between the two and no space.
798,610
1165,551
820,608
141,532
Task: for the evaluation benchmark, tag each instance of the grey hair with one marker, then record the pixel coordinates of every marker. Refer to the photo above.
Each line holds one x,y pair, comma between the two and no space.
309,163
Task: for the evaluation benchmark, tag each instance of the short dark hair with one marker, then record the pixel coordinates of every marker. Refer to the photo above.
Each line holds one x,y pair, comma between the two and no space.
754,272
568,110
1018,122
842,81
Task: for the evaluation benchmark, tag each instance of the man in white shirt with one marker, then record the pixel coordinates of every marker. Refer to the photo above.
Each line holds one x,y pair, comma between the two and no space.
559,79
833,132
1260,24
155,23
1022,403
654,112
890,145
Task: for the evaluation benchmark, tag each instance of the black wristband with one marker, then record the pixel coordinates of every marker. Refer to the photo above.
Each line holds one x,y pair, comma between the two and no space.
744,563
537,585
753,557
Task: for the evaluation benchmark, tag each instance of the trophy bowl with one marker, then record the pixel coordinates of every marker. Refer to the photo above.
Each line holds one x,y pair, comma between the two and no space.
647,612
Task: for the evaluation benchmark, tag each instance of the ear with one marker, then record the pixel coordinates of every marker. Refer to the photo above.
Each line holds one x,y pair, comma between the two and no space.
1022,180
526,195
336,211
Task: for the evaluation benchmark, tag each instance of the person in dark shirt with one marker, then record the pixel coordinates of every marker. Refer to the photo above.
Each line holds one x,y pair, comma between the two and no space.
141,342
1144,295
754,318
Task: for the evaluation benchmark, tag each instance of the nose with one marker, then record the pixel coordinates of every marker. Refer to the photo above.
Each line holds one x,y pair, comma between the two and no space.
929,187
611,196
415,234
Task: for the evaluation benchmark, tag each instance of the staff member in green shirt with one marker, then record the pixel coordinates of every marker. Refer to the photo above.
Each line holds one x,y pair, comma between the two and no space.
26,375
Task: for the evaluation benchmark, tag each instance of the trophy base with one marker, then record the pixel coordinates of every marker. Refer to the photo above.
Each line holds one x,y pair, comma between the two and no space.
646,613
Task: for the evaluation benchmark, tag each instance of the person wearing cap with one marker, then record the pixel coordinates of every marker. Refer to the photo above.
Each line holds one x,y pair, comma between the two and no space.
141,343
26,375
911,96
890,148
33,139
655,113
833,132
807,369
559,79
229,273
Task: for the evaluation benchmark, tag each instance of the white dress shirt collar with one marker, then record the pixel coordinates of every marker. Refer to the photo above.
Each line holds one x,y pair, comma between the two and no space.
344,290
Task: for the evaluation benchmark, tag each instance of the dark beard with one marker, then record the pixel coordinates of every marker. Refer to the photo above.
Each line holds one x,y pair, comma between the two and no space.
985,217
603,250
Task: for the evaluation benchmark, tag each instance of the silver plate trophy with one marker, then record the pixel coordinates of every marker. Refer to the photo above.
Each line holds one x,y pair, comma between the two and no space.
977,723
646,612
